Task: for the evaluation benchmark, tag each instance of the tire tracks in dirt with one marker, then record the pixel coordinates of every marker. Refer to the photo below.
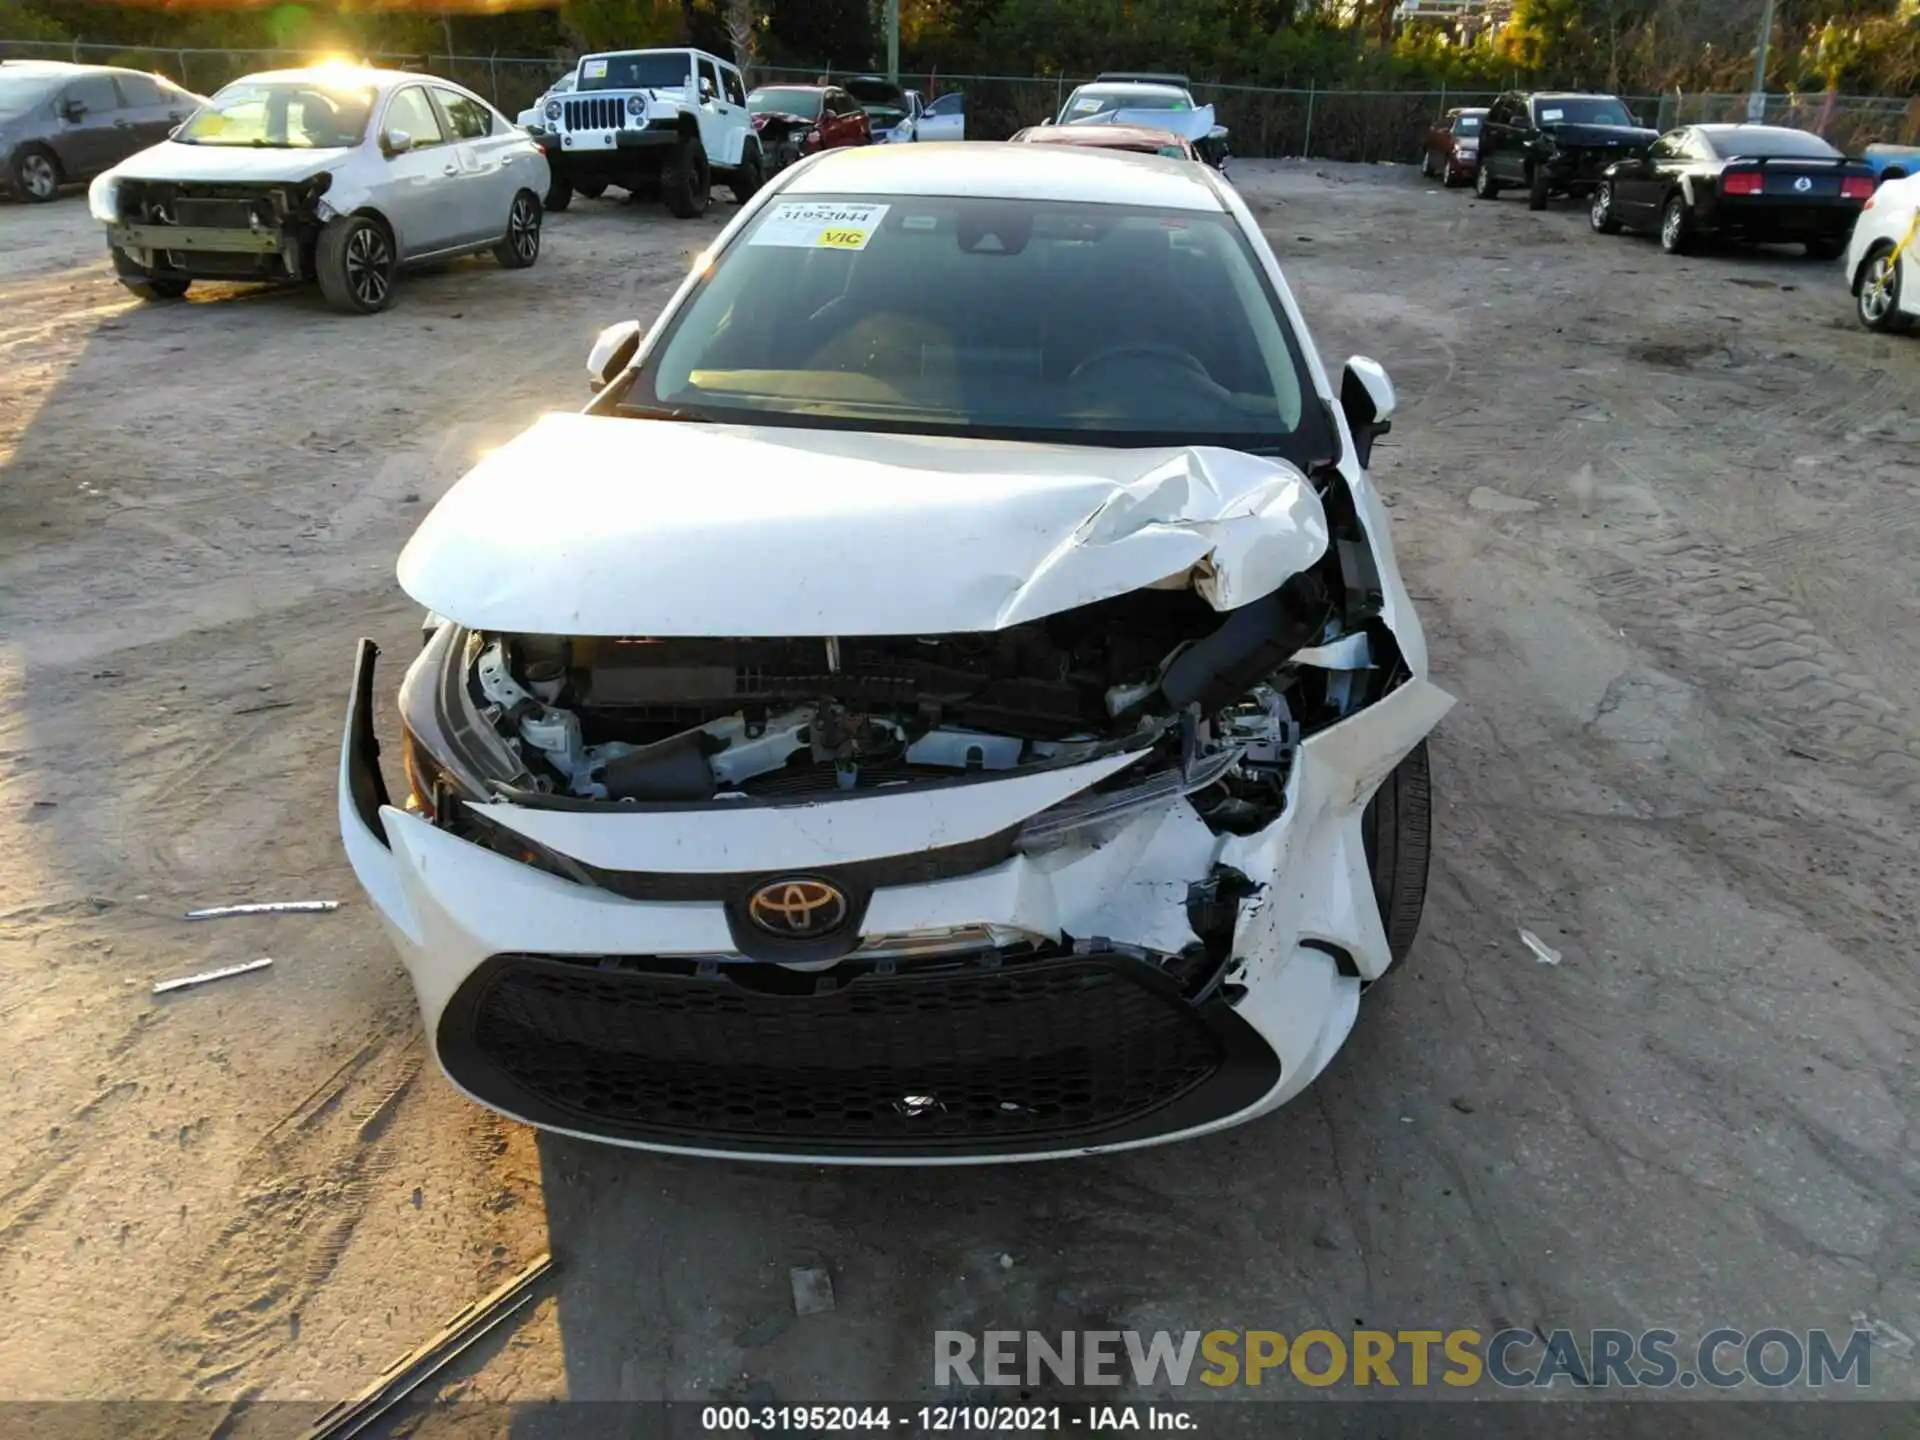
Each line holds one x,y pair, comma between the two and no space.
303,1192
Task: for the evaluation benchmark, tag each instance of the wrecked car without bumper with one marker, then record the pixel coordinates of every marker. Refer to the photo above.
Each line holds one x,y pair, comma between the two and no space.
895,800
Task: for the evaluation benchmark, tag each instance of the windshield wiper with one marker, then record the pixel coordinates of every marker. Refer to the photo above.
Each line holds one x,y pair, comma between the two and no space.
664,412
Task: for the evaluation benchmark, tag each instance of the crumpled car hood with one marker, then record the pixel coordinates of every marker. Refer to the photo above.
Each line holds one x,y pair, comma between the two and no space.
1190,125
593,525
170,160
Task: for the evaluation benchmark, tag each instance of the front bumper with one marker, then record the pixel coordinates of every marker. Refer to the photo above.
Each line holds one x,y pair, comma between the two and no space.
1037,1007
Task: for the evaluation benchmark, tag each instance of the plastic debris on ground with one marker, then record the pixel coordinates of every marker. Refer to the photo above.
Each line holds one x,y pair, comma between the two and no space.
812,1290
265,907
208,976
1542,951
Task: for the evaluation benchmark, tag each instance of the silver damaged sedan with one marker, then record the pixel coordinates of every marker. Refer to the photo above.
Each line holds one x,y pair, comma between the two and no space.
336,174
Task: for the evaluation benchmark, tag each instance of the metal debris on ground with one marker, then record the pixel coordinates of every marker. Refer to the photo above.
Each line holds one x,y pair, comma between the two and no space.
206,976
265,907
1542,951
812,1290
410,1371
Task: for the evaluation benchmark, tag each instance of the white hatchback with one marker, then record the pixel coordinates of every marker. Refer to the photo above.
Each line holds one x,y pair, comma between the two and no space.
1883,257
337,174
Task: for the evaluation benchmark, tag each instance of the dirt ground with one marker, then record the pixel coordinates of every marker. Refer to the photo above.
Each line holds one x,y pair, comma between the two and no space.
1661,518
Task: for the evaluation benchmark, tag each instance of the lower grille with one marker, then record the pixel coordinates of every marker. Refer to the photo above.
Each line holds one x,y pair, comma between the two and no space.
596,113
865,1059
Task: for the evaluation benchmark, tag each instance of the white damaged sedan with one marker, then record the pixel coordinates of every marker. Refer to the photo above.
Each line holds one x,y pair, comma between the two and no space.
948,699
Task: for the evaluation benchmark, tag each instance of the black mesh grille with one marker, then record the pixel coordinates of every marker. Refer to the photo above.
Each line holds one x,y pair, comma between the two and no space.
1005,1057
596,113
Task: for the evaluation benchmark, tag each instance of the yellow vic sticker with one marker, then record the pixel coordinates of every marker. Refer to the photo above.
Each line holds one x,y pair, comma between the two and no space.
840,239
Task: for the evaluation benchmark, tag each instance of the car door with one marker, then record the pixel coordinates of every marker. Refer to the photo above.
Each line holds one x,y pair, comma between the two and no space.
420,192
945,118
85,135
1496,133
146,112
733,89
1640,184
1524,128
484,145
849,122
714,109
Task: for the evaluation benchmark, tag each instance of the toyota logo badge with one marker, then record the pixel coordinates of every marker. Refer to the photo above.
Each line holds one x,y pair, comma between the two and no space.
798,909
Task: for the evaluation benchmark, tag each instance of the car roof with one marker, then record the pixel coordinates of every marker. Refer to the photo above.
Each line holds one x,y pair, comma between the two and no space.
345,75
1009,172
1096,137
795,85
1570,95
1133,87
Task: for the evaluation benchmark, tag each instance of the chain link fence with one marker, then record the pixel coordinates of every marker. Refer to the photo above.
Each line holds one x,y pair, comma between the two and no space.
1339,124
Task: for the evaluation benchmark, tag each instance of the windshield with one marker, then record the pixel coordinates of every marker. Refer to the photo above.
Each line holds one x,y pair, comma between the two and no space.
1582,110
1758,144
1094,100
1029,320
1466,124
649,70
20,93
282,115
805,103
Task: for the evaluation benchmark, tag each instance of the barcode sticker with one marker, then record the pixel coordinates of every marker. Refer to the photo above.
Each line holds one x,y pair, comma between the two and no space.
819,226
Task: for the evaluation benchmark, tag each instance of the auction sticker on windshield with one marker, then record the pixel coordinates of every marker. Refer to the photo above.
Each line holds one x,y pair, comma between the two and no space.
594,70
814,226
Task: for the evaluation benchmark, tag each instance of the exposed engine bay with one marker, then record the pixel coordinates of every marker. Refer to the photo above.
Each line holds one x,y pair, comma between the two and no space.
1220,699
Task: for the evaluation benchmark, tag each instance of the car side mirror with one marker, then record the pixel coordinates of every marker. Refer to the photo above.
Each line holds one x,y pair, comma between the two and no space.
72,109
396,142
174,133
1367,400
612,352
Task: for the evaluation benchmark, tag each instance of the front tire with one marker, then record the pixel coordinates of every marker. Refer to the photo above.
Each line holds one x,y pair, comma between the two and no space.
1537,187
747,177
1426,164
356,264
686,185
520,246
1396,830
1600,213
1876,302
1676,227
559,194
1484,185
35,175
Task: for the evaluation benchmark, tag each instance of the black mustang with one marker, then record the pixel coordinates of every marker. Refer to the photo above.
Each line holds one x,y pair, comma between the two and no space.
1742,182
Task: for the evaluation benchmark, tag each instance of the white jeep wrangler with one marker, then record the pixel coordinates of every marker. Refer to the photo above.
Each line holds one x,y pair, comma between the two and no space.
669,122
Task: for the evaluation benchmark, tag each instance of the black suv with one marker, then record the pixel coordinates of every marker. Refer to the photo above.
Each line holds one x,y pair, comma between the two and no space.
1554,144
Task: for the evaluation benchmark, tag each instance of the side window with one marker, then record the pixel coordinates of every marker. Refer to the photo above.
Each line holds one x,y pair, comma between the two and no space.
1670,146
142,92
409,110
96,92
951,103
709,76
469,118
736,92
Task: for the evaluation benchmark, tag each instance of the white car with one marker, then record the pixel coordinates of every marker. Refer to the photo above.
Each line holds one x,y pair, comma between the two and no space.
1155,102
337,174
901,117
1883,257
949,698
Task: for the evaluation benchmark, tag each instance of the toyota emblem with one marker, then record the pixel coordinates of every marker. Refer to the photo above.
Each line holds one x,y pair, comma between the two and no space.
1803,184
798,909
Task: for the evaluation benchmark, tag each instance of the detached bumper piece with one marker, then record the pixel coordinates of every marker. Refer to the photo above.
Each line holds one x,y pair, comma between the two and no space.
984,1054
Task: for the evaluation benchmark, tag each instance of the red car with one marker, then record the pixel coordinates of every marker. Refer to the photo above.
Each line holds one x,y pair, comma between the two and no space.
1137,138
1451,149
796,120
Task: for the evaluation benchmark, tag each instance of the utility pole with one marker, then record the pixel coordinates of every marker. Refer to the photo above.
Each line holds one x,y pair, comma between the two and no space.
1757,99
893,40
